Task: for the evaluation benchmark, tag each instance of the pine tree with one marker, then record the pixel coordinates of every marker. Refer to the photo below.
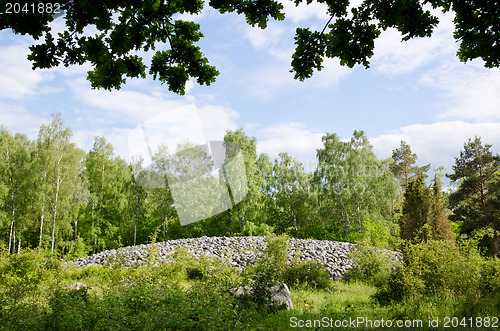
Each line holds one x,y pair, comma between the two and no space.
474,202
403,166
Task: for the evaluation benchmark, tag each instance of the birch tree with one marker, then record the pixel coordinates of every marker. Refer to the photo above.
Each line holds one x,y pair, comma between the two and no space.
61,161
354,184
16,177
105,180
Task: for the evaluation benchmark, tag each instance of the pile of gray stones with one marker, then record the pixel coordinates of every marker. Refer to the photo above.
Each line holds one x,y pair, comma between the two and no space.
238,251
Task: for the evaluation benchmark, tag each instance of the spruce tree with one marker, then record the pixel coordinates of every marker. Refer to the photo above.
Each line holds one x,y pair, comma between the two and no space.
424,212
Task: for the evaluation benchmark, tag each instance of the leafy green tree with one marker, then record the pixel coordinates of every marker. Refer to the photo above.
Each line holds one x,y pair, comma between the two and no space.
62,161
16,175
137,200
265,168
162,197
354,185
249,208
125,27
476,172
403,166
289,193
105,177
198,193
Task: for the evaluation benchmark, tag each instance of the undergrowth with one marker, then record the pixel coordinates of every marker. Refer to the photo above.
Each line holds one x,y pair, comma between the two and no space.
187,293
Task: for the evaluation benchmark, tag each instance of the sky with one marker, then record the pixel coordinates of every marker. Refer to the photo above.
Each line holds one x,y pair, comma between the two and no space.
417,91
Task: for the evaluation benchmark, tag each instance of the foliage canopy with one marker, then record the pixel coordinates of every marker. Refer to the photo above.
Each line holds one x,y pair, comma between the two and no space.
122,28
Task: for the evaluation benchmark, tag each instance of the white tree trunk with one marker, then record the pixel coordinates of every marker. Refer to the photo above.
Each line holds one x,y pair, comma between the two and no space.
55,215
41,229
12,234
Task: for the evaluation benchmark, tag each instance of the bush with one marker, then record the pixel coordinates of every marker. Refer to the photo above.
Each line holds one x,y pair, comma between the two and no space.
69,310
370,265
306,273
251,229
268,271
26,283
438,273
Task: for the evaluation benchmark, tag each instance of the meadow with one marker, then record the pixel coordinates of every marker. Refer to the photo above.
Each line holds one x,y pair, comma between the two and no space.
436,285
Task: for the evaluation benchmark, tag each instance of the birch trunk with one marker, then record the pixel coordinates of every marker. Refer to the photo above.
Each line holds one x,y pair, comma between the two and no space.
41,229
12,224
58,183
136,215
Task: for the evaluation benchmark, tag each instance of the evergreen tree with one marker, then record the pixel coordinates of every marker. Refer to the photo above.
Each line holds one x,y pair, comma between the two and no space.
403,166
416,208
424,212
473,202
439,222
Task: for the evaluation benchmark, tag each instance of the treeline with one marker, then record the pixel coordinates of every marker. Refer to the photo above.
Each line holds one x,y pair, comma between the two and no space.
57,198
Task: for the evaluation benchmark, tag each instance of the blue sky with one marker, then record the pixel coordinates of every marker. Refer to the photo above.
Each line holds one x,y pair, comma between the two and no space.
416,91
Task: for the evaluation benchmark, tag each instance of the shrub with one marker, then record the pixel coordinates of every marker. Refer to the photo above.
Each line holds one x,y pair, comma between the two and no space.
251,229
370,265
26,282
460,281
69,310
268,271
308,273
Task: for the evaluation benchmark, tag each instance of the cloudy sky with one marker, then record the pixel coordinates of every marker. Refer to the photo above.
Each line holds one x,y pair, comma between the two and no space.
416,91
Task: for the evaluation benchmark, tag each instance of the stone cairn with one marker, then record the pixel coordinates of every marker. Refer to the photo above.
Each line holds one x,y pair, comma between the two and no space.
240,250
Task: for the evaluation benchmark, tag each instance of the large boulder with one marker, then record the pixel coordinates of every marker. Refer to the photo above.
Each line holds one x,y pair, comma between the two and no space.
76,286
280,294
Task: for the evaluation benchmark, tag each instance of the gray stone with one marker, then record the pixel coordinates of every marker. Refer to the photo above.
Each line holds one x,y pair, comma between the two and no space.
76,286
240,251
280,294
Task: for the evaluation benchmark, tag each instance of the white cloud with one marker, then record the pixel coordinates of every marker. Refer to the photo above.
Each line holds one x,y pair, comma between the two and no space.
471,91
331,74
127,105
300,142
216,120
393,56
118,137
17,119
17,79
304,12
265,38
167,121
437,143
272,81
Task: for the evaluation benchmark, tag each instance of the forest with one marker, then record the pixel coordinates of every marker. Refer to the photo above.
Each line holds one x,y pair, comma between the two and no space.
59,203
56,197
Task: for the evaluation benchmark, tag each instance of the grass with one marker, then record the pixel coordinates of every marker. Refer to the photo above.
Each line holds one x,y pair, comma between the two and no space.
196,294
